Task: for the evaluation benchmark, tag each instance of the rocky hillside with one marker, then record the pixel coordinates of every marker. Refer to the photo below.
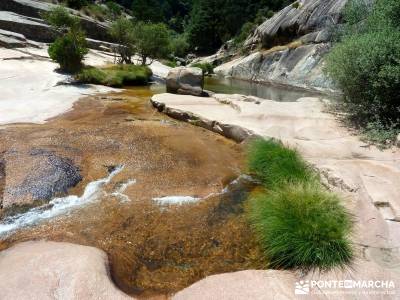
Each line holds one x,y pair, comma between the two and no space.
289,48
22,19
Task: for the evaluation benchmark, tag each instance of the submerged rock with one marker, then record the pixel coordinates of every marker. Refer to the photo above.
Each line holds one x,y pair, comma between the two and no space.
185,81
50,270
38,175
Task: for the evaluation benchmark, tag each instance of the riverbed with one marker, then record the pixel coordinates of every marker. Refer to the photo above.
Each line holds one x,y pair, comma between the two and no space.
165,200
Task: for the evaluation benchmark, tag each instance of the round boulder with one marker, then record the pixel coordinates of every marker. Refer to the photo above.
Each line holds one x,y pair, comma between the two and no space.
185,81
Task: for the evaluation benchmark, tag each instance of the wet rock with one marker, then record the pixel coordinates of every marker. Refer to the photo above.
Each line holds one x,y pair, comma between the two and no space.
49,270
185,81
38,175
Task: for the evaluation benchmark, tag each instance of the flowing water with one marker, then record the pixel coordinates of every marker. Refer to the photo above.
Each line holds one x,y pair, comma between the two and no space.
164,199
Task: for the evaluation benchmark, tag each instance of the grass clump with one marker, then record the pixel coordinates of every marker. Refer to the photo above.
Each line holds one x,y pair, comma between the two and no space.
299,224
302,226
276,165
115,76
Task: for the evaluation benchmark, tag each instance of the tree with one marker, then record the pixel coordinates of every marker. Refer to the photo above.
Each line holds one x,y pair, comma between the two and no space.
70,46
151,41
179,45
365,64
122,31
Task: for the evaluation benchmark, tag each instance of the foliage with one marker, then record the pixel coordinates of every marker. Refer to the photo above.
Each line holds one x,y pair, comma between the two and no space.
117,76
69,50
70,47
179,46
277,165
96,11
247,28
60,19
366,63
151,41
207,68
213,22
302,227
122,31
114,9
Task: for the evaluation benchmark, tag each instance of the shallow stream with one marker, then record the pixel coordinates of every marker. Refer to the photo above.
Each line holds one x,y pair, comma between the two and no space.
163,199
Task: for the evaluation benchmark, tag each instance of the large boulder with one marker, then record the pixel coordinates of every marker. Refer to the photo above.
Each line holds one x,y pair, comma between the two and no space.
185,81
50,270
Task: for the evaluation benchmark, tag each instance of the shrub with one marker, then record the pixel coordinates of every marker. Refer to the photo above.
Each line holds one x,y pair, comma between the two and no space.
276,165
69,50
122,31
60,19
365,63
207,68
117,76
151,41
179,46
302,227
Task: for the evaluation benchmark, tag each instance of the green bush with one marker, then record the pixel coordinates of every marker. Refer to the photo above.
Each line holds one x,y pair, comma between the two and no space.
60,19
179,46
365,63
69,50
207,68
276,165
117,76
302,227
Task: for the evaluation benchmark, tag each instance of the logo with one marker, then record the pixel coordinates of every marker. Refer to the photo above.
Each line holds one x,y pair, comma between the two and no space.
302,287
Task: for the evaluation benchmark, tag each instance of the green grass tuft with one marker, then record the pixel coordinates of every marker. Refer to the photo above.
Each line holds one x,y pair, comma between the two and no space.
302,227
115,76
276,165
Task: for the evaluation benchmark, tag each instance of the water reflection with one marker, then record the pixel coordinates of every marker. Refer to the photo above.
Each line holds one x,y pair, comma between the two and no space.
265,91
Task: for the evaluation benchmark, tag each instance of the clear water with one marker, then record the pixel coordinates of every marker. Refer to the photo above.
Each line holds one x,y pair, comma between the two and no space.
265,91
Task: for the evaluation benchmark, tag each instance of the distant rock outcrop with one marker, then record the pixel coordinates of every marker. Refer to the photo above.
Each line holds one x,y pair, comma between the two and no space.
25,17
293,45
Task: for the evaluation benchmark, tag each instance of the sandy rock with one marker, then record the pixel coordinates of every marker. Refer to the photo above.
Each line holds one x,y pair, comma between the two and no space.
251,284
185,81
275,284
50,270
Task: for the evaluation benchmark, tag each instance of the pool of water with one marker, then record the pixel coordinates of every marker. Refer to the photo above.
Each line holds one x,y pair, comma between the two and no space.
265,91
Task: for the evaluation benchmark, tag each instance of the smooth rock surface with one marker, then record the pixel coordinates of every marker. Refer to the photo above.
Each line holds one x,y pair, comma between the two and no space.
24,10
185,81
292,22
31,89
276,284
50,270
300,67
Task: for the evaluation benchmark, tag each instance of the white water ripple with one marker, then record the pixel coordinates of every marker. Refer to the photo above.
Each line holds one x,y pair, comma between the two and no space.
57,206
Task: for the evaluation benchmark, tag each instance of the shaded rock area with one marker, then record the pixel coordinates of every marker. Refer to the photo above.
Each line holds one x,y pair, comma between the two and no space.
37,175
185,81
289,48
9,39
293,22
25,17
49,270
